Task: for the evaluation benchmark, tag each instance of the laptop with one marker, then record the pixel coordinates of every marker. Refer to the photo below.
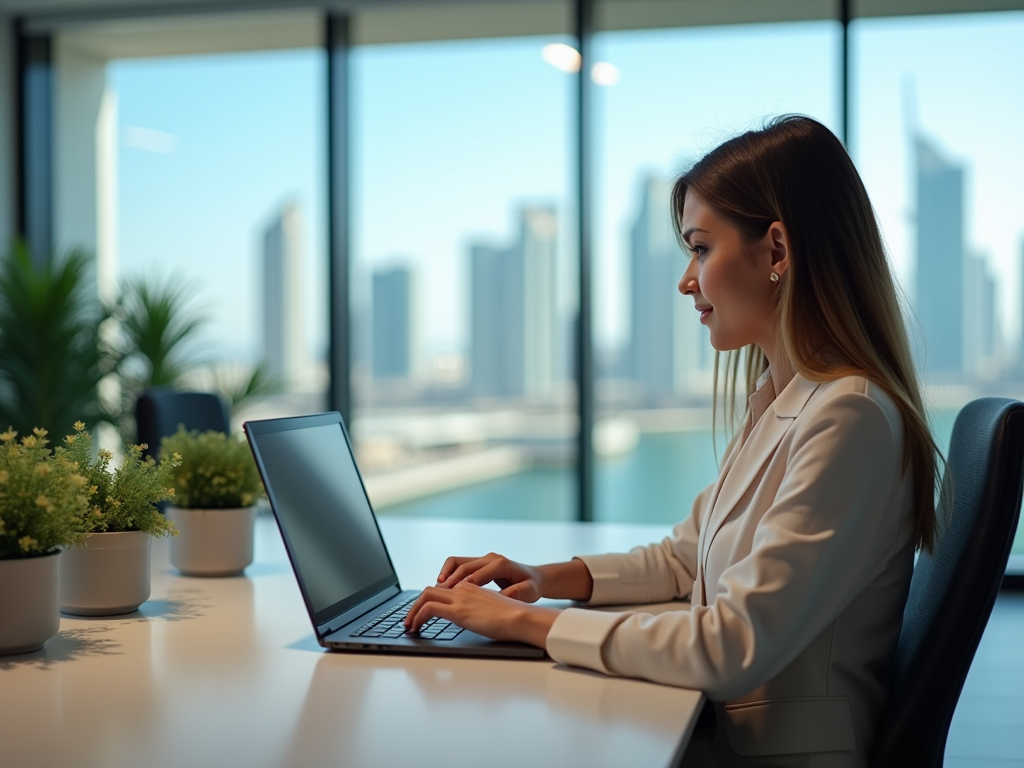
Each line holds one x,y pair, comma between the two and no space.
336,549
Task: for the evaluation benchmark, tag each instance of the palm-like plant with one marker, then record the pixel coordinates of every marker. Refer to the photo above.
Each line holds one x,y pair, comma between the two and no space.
157,330
239,385
159,326
51,352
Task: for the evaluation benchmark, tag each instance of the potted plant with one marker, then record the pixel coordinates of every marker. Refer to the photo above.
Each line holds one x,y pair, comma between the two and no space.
52,350
216,486
108,572
42,500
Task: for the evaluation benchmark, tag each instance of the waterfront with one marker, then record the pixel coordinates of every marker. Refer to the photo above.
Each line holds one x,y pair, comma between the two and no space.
655,483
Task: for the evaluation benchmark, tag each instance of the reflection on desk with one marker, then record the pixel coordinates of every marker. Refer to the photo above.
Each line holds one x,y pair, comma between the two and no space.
226,672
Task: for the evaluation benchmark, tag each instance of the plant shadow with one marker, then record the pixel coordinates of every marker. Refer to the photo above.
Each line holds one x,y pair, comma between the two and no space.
179,605
67,645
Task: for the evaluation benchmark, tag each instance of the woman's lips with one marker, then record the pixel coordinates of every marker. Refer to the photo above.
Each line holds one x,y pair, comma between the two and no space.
704,314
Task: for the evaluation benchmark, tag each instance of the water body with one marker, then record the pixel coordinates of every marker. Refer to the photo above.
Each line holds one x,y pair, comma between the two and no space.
655,483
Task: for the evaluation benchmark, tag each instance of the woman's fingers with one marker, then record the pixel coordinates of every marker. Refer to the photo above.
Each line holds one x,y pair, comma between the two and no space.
464,567
502,571
478,610
431,602
450,566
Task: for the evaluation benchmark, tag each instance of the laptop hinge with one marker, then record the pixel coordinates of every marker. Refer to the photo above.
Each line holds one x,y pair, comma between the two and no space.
358,610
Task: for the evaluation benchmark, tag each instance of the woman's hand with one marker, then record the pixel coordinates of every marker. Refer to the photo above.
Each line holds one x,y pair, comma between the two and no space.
515,580
483,611
528,583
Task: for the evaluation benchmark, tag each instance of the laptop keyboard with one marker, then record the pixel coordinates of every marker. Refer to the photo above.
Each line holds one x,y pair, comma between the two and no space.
390,624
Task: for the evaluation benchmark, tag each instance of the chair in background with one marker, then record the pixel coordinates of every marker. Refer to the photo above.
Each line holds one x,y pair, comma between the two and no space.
159,411
954,588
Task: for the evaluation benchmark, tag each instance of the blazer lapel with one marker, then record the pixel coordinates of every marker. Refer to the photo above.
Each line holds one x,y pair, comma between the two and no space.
755,452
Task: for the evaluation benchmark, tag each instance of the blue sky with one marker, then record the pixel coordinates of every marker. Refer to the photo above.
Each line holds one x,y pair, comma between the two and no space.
449,138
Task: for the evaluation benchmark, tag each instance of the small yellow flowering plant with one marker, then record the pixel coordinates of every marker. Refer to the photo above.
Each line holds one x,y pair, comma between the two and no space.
42,497
216,471
125,498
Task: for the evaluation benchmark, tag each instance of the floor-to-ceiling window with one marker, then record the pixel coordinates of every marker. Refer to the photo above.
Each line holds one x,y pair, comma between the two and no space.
195,174
463,295
190,151
938,110
663,98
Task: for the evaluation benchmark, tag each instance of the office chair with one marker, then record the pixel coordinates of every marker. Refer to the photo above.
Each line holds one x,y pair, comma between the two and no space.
159,411
953,588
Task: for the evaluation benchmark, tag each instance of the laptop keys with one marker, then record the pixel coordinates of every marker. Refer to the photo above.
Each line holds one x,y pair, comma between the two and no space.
390,625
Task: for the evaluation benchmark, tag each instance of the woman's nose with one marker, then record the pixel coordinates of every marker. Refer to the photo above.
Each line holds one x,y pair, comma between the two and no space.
688,282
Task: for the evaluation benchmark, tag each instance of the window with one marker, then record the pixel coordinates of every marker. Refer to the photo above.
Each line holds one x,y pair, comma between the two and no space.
675,94
202,172
936,138
463,290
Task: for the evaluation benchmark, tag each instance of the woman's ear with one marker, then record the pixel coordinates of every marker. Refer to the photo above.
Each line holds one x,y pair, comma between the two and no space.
778,242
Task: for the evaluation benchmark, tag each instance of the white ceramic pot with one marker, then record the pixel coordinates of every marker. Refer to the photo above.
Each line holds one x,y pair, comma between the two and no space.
212,542
107,575
29,602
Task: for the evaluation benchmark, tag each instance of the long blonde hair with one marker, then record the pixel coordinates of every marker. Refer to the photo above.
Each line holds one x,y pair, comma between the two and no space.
838,292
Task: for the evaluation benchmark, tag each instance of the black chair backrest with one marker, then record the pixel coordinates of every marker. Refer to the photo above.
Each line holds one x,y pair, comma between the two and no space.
954,588
158,412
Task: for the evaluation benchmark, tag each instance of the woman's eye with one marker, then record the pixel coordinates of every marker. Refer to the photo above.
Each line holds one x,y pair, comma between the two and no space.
698,252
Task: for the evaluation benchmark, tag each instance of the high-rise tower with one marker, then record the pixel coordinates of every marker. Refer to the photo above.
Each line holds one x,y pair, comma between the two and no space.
393,325
939,295
283,341
513,311
669,349
981,328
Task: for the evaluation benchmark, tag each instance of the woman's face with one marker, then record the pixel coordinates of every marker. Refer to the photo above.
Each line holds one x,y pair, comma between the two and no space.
730,280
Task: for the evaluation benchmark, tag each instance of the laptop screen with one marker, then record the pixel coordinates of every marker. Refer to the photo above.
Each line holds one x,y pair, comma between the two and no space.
322,509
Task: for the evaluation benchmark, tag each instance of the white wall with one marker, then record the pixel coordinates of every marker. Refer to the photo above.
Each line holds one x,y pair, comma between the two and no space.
84,155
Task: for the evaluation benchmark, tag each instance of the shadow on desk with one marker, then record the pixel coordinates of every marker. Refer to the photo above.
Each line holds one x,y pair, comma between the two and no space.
68,645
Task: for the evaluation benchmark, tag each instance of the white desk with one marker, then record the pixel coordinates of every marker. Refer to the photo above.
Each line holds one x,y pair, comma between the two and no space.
226,672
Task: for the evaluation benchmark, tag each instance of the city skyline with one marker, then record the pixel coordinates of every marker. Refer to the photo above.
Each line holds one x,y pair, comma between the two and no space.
668,356
647,123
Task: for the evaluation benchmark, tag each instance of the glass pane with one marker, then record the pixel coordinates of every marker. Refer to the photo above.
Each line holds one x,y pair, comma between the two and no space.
937,141
463,289
668,97
210,177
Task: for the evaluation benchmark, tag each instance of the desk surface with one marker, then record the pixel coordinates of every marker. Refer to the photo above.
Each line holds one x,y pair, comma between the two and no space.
226,672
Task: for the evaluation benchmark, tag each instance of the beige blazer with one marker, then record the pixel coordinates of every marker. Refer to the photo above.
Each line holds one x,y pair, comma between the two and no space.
797,562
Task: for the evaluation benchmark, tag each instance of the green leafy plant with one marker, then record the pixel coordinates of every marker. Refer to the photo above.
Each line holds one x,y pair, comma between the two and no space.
241,386
124,499
216,471
157,331
43,497
155,345
52,357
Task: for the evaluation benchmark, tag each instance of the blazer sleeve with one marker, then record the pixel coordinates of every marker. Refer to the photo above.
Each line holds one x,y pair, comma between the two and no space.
815,548
652,574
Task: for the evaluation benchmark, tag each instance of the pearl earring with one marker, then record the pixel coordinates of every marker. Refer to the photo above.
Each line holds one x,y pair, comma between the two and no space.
775,277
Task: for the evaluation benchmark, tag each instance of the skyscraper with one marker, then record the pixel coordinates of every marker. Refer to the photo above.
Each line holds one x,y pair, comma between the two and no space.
393,324
513,311
669,349
538,251
980,324
283,342
494,296
939,281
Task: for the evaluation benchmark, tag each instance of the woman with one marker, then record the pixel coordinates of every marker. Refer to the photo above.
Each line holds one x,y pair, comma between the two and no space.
797,560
